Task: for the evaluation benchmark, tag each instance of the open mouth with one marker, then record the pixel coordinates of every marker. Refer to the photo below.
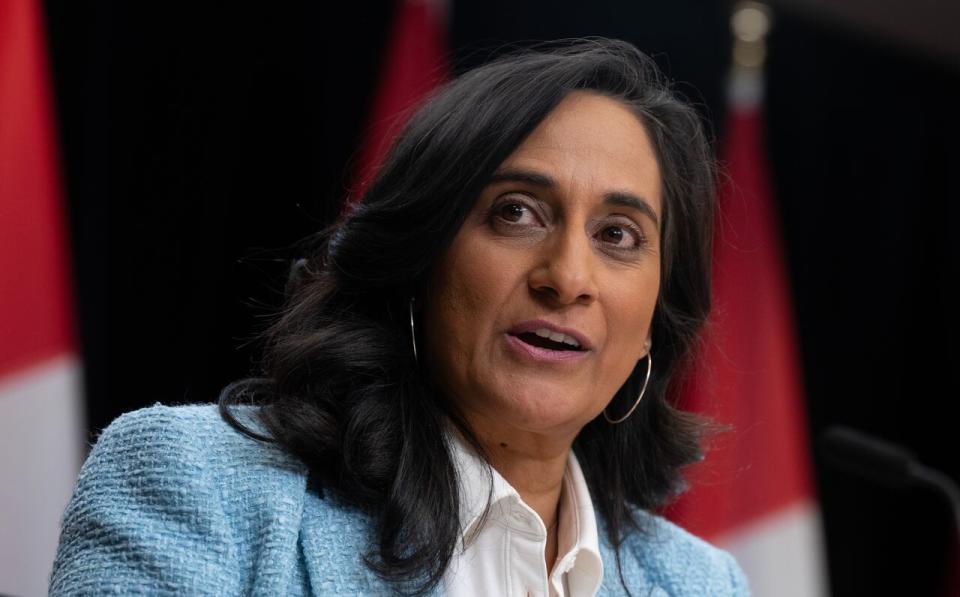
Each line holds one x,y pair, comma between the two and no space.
550,340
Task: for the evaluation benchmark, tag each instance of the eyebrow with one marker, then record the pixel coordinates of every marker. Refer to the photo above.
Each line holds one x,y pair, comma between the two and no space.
538,179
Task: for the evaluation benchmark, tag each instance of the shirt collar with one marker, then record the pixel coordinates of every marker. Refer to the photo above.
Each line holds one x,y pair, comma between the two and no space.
578,541
478,482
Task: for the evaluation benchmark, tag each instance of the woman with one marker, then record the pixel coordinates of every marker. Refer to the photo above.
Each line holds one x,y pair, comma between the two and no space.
467,391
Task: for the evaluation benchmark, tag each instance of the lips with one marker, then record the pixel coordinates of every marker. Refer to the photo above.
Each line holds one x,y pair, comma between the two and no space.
545,338
544,335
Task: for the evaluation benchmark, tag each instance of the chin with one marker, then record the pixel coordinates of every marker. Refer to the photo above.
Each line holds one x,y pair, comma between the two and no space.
543,410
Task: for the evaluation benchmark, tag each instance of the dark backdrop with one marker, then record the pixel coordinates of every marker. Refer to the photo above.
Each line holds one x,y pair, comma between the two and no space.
200,143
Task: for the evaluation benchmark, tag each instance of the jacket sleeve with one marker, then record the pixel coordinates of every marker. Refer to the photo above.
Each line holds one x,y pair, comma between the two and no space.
665,559
146,515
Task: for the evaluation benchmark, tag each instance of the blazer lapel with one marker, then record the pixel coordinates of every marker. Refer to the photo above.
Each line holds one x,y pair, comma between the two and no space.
636,577
333,539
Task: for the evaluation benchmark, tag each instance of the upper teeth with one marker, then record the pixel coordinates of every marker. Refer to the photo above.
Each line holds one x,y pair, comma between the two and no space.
557,337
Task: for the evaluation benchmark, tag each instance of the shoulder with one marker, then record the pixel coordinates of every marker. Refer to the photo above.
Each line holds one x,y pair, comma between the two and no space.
176,447
665,556
159,426
174,496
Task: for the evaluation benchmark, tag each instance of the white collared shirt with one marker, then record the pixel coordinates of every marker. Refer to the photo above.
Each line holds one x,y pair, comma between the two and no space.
506,555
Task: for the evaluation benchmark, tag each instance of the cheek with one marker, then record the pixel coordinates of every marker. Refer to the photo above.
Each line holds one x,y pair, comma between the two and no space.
631,316
456,312
444,317
457,289
474,279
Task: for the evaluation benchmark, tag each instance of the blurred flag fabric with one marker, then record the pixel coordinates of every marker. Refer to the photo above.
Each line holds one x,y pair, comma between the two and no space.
40,405
754,494
415,62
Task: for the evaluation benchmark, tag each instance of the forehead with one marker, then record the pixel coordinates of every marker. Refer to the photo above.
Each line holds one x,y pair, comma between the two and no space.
592,144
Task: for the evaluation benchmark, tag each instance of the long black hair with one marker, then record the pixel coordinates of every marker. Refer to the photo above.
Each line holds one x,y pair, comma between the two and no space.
340,387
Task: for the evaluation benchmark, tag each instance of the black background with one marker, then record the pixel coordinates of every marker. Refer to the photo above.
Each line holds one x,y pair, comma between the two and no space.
200,142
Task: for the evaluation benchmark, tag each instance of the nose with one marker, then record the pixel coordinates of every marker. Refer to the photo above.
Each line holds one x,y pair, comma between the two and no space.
566,272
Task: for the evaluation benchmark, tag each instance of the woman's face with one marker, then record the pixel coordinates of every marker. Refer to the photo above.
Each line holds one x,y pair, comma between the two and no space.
542,305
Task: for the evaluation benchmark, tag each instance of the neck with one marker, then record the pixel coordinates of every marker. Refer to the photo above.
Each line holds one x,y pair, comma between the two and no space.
534,465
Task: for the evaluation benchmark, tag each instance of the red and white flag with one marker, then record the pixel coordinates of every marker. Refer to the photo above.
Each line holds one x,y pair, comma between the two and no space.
415,62
40,406
754,492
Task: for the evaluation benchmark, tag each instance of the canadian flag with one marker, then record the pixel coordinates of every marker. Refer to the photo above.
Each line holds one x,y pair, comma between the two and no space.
414,63
753,494
40,406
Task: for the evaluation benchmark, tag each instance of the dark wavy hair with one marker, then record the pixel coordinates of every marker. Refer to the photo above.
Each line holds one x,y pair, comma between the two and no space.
340,387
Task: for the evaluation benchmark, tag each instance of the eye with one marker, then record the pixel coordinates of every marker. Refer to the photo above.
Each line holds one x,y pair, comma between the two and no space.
612,234
515,212
622,236
512,212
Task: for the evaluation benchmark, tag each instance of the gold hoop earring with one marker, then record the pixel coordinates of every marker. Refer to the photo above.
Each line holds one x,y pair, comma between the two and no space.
639,398
413,334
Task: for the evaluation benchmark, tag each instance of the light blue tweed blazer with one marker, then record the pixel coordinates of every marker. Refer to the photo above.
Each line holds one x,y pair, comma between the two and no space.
172,500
